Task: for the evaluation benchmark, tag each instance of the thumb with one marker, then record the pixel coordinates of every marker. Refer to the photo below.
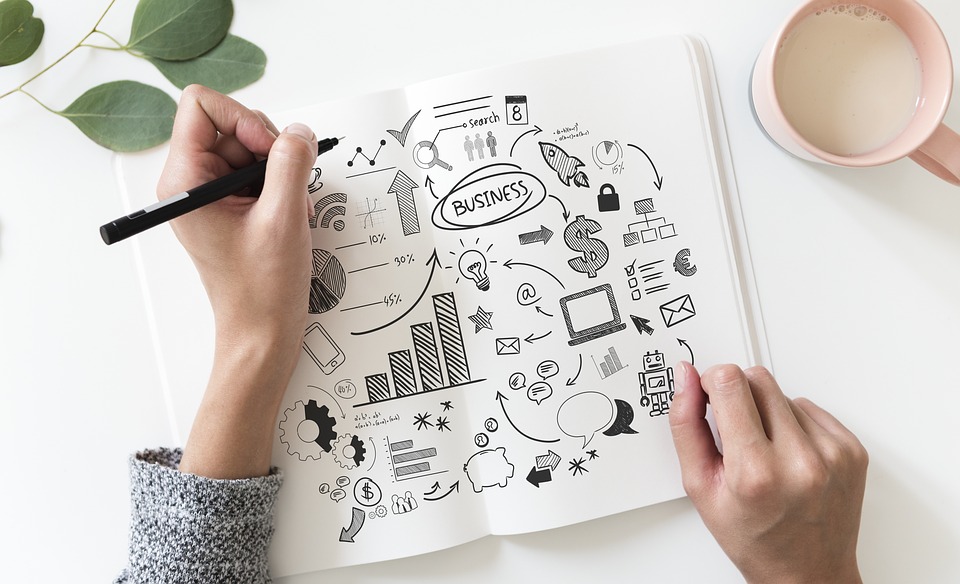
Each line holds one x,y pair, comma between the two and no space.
692,438
289,164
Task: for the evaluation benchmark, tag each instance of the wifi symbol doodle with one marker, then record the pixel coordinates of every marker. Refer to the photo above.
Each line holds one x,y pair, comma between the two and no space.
333,209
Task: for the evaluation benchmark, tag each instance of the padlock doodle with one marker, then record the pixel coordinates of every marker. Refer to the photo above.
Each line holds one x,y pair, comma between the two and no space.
608,199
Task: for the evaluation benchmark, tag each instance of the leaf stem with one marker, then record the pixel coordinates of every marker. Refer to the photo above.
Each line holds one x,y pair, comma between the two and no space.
31,96
120,45
62,57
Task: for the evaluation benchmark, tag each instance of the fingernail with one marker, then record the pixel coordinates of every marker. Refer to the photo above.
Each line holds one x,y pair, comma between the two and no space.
682,377
301,130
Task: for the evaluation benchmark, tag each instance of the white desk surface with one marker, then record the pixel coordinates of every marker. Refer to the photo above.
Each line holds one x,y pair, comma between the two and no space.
858,276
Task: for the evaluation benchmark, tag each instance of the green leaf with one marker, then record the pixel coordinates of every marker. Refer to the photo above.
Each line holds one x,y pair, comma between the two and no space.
177,30
124,116
232,64
20,32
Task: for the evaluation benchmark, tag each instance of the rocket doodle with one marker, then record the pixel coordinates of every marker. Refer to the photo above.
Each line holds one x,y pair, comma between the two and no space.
565,165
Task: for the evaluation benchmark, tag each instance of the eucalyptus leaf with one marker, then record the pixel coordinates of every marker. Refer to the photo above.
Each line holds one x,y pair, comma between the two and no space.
177,30
232,64
124,116
20,31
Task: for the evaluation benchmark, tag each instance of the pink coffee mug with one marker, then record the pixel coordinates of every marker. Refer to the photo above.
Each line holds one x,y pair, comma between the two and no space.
925,139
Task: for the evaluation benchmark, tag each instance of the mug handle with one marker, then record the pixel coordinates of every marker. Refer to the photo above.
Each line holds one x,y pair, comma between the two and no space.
940,154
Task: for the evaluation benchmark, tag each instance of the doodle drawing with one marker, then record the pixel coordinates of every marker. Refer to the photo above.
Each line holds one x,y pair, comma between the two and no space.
322,349
576,466
482,319
367,492
581,310
404,504
372,161
621,422
650,273
594,253
307,429
608,153
403,186
356,524
678,310
315,183
516,110
488,468
682,265
608,199
584,414
567,167
543,234
349,451
401,135
508,346
410,463
652,228
473,266
426,156
370,213
455,487
610,365
328,282
642,324
543,468
656,384
337,208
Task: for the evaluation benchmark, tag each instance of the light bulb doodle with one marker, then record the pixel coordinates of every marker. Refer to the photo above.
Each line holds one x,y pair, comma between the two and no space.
473,266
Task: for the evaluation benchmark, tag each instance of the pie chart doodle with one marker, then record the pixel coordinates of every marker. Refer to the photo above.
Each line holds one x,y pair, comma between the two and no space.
328,282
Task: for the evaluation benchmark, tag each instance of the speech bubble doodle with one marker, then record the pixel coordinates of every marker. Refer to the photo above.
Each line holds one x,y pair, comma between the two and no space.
585,414
539,391
621,425
547,369
346,389
338,495
518,381
324,489
343,481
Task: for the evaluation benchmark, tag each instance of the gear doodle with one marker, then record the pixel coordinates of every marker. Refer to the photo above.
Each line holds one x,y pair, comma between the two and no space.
349,451
307,430
381,511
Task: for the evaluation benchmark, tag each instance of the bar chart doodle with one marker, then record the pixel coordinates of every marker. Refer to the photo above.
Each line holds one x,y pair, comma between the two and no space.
408,462
610,364
427,352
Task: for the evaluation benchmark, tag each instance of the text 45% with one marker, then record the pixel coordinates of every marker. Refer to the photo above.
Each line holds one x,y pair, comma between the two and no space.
392,299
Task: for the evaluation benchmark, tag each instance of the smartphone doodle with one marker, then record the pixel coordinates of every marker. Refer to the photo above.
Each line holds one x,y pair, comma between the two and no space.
321,348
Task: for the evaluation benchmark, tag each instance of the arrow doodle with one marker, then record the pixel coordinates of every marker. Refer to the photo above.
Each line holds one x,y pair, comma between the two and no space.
566,214
454,487
642,324
659,182
356,524
543,234
683,343
543,312
433,262
573,380
536,130
537,476
403,187
429,185
510,263
531,339
501,398
433,489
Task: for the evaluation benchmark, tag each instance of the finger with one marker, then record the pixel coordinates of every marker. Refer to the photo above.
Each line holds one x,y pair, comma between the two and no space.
233,152
823,418
774,408
266,121
738,421
692,437
288,171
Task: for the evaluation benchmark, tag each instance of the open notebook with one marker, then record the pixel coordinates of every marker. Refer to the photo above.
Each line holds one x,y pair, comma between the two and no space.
507,265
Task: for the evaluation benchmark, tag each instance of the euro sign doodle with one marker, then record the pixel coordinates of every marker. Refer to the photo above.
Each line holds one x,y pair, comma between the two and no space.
681,263
594,252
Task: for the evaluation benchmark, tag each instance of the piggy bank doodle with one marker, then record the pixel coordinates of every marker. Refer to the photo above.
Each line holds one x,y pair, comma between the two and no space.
488,468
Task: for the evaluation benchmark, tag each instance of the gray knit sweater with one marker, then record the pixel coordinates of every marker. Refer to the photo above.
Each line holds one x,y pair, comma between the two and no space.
190,529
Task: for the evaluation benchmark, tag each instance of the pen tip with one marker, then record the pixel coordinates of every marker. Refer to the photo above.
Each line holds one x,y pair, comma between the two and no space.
341,138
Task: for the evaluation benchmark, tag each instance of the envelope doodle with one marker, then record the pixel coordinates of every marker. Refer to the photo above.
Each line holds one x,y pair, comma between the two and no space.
677,310
508,346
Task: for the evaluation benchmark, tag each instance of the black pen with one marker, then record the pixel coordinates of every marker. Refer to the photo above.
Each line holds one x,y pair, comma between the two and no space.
179,204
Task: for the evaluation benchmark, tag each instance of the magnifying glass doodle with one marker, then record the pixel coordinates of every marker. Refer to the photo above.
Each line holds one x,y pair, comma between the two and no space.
430,160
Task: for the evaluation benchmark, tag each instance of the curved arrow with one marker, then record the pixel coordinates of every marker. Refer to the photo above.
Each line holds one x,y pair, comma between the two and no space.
566,214
530,338
683,343
573,380
543,312
510,263
500,397
659,182
374,447
342,415
454,487
356,524
429,184
434,262
536,130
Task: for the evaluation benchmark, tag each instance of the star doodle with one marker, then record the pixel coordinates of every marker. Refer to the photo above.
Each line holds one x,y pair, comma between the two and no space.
593,454
447,405
482,319
443,423
576,466
422,421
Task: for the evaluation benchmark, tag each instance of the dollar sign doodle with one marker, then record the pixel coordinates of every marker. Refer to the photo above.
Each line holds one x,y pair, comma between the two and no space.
367,491
595,252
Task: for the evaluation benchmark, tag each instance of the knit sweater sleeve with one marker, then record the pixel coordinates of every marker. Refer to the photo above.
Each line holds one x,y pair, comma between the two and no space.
190,529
